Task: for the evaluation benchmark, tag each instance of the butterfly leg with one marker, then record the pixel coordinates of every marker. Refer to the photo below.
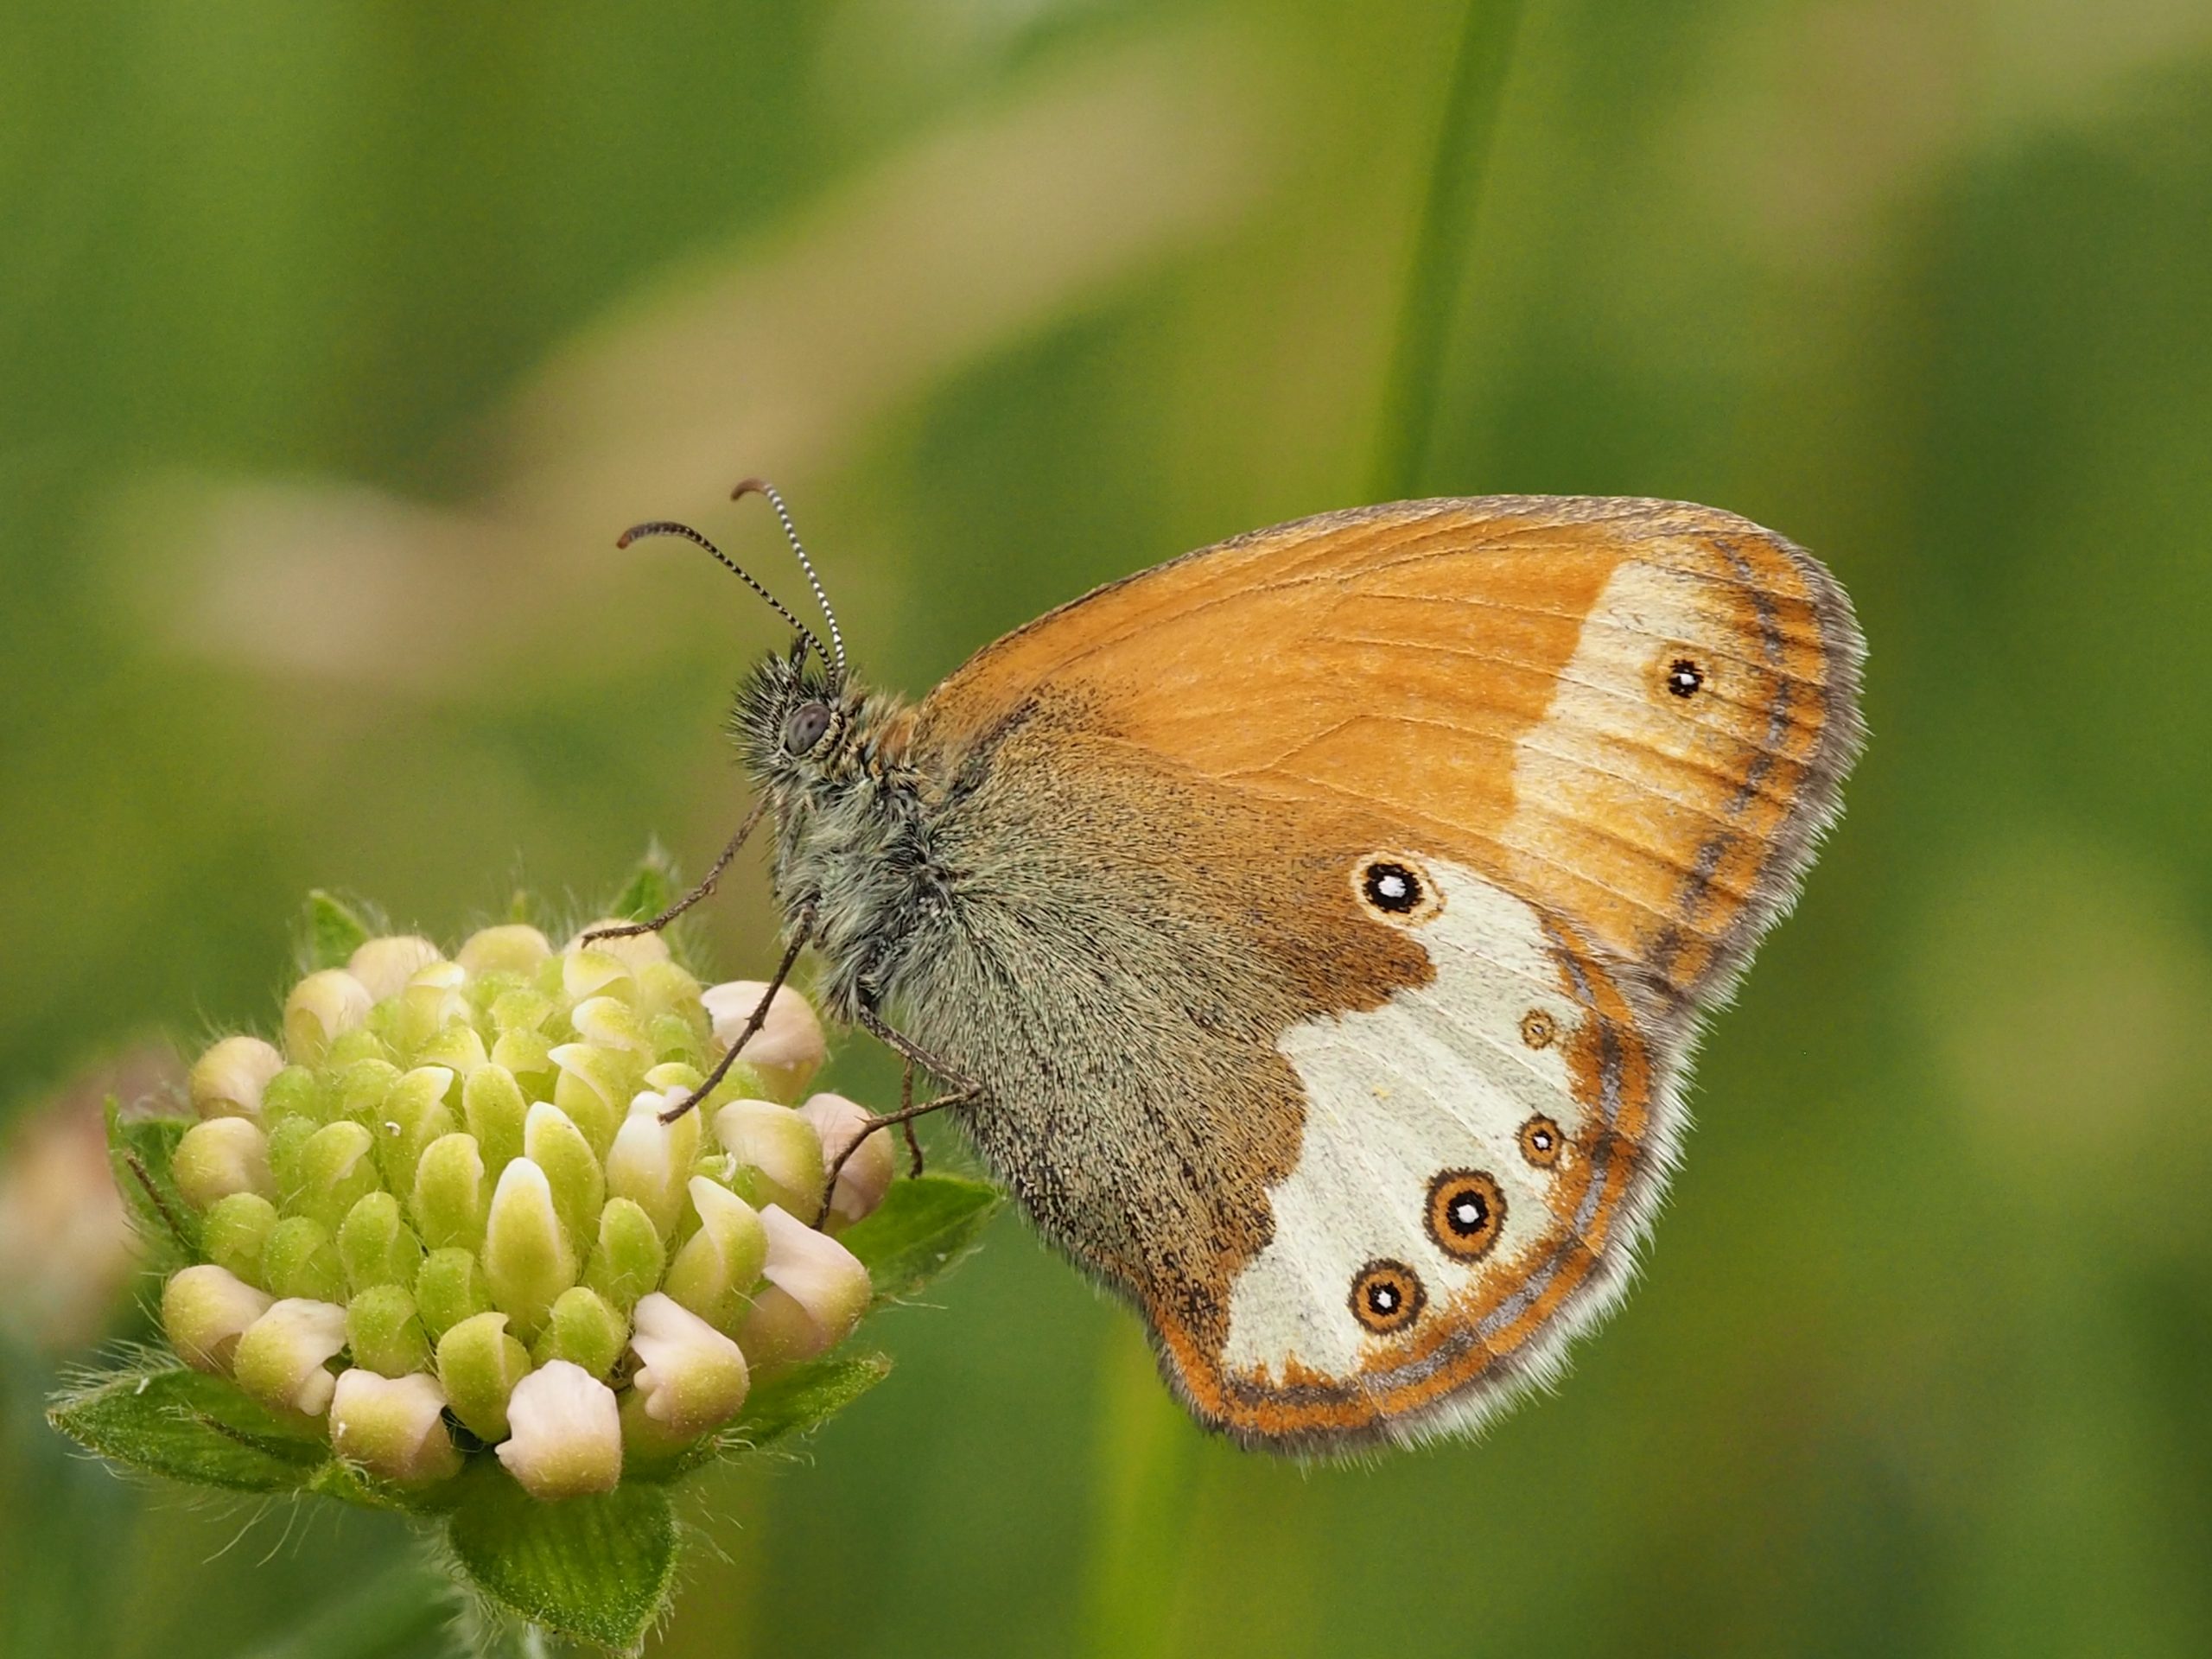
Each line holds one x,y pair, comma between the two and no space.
906,1100
704,890
802,927
960,1091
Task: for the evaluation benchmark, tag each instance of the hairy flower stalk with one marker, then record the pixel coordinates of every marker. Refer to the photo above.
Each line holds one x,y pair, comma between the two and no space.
449,1197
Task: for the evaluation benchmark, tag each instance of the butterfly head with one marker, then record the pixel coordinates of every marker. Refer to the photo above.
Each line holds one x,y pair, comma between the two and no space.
793,720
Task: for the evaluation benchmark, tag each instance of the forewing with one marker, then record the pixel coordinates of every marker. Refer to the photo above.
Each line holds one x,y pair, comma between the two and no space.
1634,713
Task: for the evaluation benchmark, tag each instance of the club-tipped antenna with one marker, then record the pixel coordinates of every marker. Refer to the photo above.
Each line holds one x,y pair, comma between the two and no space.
670,527
762,486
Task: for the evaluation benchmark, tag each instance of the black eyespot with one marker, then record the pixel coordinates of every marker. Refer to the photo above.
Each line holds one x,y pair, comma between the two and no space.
1540,1142
1684,678
1386,1297
1392,888
804,727
1466,1211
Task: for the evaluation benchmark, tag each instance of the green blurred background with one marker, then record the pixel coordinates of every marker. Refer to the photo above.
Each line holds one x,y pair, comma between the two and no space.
336,342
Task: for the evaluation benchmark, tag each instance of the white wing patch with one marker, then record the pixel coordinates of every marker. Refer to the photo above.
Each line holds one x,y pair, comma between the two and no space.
1443,1077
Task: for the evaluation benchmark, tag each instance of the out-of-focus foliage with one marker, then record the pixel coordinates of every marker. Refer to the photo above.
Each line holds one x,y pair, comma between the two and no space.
337,343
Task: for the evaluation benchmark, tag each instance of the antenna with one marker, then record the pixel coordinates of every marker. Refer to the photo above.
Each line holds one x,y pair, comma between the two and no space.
762,486
670,527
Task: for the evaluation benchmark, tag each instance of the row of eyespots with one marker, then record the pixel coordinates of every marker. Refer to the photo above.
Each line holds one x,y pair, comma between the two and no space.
1466,1216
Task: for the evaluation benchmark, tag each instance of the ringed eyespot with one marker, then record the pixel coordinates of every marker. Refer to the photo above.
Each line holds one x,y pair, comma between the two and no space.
1541,1142
1684,677
1466,1212
1538,1029
1393,890
1386,1297
803,729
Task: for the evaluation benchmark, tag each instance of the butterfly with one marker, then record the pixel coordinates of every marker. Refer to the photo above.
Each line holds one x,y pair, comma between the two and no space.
1311,931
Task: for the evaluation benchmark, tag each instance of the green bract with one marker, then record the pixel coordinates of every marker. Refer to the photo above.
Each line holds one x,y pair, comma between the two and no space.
435,1251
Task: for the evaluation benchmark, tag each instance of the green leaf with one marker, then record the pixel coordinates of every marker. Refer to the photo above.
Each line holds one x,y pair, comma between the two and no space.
140,1151
804,1398
189,1426
599,1568
336,931
922,1228
650,890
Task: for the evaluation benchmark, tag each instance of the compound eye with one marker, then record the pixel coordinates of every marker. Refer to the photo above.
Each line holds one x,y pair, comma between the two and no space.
804,727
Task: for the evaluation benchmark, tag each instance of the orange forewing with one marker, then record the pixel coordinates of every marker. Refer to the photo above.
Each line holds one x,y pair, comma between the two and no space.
1489,679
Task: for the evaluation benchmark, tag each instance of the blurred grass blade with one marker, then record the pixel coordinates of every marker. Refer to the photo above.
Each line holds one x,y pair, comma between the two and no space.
1446,231
404,1611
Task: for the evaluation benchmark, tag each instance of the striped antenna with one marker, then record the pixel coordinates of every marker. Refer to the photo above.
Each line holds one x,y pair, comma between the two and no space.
670,527
762,486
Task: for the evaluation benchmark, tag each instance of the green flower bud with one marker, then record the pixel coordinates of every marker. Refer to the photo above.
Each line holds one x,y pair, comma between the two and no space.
320,1007
595,972
287,1138
492,1103
511,949
220,1156
557,1146
595,1087
394,1427
227,1080
237,1231
383,1332
280,1358
583,1330
720,1262
664,990
691,1378
566,1433
478,1365
300,1262
206,1310
386,965
457,1047
449,1192
362,1089
522,1009
605,1022
450,1288
780,1148
529,1056
376,1246
293,1092
650,1160
632,950
528,1261
675,1039
627,1260
335,1170
352,1047
414,1113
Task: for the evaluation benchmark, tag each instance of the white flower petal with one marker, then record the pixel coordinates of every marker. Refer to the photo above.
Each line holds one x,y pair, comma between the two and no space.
566,1436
